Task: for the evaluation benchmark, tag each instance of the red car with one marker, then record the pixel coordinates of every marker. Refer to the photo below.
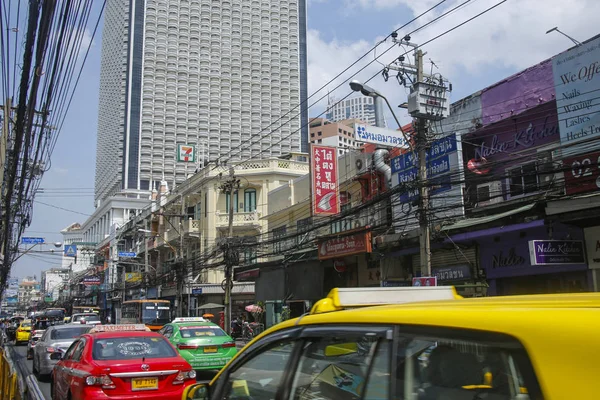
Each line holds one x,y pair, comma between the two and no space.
121,362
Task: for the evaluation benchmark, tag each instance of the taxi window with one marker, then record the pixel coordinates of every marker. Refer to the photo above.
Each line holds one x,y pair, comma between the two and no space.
78,351
26,324
352,366
451,367
190,332
132,347
259,378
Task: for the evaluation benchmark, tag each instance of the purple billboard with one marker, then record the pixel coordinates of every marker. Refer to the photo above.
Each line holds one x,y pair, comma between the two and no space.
512,139
553,252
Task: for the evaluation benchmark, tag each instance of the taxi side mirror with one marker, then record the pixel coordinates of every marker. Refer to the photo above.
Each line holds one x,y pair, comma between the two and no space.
56,356
197,391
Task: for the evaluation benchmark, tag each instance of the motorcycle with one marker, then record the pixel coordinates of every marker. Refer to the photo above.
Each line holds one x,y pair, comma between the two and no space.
236,329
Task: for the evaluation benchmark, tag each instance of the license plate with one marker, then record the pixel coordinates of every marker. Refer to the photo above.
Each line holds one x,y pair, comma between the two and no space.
144,383
210,349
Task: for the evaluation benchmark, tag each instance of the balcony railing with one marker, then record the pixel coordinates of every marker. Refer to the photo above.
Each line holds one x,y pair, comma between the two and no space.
240,219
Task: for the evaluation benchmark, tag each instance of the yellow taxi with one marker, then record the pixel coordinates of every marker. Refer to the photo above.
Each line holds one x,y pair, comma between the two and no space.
420,344
23,332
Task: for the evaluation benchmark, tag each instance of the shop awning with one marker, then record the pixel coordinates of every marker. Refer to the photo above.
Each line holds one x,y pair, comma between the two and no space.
469,222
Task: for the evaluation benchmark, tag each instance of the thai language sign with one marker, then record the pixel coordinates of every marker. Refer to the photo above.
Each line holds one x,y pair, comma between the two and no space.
345,246
381,136
441,160
453,273
577,82
92,280
553,252
325,189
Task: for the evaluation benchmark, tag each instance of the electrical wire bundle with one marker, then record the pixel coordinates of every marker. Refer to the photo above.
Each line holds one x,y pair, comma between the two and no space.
44,46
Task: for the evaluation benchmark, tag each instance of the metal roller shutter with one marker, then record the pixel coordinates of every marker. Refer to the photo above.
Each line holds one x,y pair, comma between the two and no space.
446,258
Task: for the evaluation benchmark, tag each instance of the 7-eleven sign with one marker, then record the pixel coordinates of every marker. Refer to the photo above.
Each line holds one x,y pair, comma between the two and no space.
186,153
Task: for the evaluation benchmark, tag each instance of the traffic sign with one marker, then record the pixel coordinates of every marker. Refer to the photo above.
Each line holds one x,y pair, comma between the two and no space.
197,291
70,250
32,240
127,254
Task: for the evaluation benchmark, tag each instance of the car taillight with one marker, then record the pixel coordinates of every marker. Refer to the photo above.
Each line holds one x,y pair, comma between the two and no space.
51,349
228,345
187,346
101,380
183,375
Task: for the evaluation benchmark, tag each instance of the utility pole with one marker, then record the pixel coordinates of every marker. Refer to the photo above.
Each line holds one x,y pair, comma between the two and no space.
180,265
146,280
427,101
229,187
421,142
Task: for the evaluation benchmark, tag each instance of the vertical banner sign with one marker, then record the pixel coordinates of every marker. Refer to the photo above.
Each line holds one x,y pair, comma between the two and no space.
324,173
186,153
577,81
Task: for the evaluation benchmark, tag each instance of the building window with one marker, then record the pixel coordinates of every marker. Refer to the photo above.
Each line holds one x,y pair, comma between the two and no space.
278,238
319,133
523,179
235,201
312,134
340,130
302,226
249,200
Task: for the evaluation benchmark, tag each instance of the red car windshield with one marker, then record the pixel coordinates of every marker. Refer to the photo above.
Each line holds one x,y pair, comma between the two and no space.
128,348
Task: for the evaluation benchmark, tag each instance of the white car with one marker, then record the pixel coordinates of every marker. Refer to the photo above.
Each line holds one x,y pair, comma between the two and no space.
85,318
33,339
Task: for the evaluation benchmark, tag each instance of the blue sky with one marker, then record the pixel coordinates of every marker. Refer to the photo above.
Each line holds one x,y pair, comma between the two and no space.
492,47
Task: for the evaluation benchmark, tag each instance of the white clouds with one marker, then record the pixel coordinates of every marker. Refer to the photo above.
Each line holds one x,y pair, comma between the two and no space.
510,37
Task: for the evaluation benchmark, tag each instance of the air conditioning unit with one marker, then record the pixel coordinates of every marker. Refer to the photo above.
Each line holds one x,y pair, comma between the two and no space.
363,163
546,169
489,193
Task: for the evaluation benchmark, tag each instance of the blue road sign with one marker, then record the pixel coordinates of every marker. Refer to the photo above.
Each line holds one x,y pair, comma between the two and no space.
70,250
127,254
32,240
197,291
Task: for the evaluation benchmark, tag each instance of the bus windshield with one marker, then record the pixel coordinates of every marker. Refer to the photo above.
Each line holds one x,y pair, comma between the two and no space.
155,315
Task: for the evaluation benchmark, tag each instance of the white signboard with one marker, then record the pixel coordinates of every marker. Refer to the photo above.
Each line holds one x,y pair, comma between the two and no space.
592,243
577,82
380,136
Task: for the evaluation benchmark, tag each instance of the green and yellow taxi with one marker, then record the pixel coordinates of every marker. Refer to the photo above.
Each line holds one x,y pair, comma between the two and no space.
23,332
422,343
202,343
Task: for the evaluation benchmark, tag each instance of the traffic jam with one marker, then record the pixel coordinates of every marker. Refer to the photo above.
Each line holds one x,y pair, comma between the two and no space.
356,343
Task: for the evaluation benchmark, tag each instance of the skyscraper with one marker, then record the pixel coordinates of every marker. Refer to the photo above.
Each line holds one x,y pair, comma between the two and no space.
359,107
216,75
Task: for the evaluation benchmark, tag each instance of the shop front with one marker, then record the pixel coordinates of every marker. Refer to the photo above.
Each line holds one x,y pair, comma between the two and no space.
536,260
592,244
346,261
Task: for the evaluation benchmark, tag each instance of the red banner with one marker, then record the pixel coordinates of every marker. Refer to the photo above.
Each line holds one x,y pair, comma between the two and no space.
325,189
345,246
425,281
582,173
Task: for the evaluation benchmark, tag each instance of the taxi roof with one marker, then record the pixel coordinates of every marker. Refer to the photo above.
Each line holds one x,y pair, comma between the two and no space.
554,329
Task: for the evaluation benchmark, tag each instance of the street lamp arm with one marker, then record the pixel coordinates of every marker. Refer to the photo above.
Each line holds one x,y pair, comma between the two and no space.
408,142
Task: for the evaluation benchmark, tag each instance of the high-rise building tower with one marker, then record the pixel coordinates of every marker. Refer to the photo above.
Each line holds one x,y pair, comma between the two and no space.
359,107
216,75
